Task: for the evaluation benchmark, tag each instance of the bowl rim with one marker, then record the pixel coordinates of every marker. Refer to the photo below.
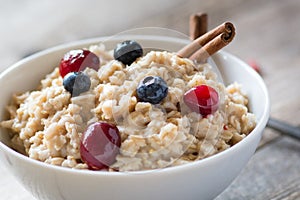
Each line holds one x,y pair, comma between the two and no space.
206,161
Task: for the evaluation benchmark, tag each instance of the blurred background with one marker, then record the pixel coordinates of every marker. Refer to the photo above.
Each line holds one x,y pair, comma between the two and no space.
32,25
268,32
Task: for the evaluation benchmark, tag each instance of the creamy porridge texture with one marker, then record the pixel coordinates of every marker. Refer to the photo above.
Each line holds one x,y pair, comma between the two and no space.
50,123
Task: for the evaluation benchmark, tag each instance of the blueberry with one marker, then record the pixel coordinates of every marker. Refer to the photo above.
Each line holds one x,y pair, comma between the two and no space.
152,89
128,51
76,83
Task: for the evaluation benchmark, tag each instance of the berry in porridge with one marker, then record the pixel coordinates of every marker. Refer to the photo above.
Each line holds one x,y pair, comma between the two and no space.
202,99
128,51
76,83
152,89
78,60
100,145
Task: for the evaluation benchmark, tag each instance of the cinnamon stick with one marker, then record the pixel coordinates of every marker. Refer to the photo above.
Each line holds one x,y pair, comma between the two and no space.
210,48
210,42
198,25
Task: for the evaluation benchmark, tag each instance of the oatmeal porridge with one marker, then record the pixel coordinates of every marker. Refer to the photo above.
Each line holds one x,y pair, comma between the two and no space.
121,111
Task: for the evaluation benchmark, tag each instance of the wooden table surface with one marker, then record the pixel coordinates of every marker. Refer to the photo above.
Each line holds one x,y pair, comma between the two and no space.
267,31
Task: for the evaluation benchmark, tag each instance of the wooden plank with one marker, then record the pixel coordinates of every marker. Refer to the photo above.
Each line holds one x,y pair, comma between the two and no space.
272,173
268,136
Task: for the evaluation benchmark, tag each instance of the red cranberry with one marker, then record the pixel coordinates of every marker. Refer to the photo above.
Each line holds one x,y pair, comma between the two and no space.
100,145
225,127
202,99
78,60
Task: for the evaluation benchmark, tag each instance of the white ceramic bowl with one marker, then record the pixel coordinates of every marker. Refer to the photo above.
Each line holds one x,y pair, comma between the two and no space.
204,179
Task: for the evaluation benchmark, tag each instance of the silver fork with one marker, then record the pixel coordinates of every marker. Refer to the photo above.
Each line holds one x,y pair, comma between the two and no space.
284,128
